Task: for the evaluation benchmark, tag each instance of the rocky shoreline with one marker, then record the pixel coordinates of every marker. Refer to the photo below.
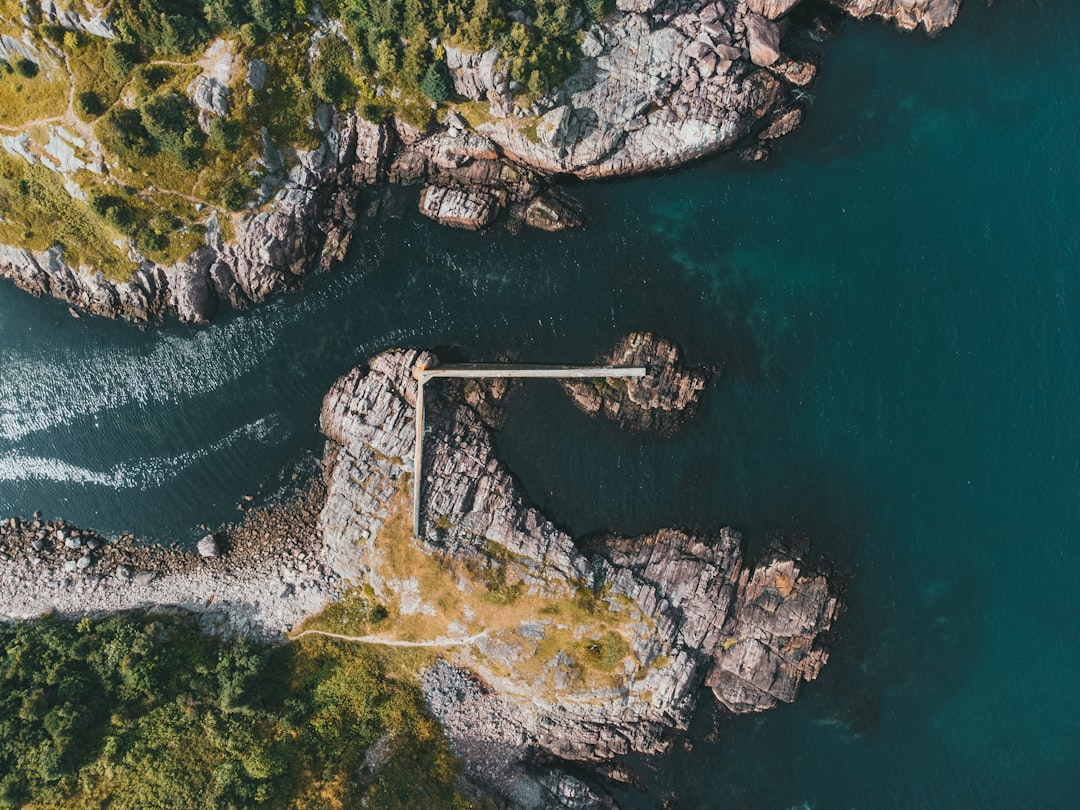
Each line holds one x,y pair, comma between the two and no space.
605,650
258,578
661,83
554,649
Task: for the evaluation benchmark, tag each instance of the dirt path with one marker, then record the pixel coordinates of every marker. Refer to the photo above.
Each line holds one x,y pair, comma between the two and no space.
393,642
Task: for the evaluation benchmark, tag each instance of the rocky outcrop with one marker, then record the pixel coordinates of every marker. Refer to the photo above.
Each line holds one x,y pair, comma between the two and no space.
659,84
780,610
308,220
459,207
607,647
932,15
660,401
653,91
140,299
97,22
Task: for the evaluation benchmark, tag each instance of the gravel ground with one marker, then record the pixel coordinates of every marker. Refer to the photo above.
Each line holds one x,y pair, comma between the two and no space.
270,574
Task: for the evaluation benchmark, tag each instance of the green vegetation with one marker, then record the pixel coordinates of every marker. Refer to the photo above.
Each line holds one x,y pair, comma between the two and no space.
131,95
148,712
38,214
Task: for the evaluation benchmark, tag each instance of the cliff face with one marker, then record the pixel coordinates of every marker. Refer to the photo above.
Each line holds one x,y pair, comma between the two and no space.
660,84
584,656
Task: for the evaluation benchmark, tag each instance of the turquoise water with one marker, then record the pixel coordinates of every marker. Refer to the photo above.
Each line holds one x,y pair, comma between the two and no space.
894,299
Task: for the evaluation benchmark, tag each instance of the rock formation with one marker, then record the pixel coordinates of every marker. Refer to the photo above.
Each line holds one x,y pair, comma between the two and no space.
932,15
660,84
596,654
660,401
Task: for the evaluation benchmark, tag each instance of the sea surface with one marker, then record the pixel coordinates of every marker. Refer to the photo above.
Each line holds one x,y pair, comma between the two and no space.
895,301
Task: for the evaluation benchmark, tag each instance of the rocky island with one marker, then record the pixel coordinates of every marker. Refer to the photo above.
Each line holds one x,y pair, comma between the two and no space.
548,647
162,163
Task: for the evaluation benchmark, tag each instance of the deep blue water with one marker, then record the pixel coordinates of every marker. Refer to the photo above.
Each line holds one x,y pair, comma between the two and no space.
895,299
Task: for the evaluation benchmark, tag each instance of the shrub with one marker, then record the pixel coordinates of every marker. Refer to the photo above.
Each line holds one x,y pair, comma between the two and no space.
224,134
25,68
148,241
233,195
128,128
88,104
171,122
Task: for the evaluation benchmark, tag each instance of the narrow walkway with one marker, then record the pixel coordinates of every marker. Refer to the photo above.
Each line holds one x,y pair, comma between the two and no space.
489,370
393,642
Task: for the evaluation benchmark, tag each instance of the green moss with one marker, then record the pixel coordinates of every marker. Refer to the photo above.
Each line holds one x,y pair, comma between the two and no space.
528,129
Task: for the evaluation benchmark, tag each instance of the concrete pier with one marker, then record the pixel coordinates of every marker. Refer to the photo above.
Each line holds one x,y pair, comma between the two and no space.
489,371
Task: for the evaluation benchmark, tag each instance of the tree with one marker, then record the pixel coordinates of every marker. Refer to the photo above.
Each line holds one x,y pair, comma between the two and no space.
436,83
121,58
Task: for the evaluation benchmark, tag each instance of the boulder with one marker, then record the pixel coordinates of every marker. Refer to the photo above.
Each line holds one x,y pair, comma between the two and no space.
471,209
208,546
763,37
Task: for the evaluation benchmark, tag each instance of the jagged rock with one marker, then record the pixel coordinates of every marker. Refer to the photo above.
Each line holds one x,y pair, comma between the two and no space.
553,211
471,209
932,15
691,610
779,612
209,95
784,124
481,76
99,23
191,291
794,71
763,37
771,8
660,401
754,153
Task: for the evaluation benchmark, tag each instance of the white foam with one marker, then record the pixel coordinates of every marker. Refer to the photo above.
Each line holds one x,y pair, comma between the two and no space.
141,474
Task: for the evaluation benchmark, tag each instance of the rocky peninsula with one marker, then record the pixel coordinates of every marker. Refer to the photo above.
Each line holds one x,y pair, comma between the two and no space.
551,648
578,651
658,83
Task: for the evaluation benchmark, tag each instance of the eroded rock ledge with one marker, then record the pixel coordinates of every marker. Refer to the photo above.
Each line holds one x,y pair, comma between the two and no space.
597,654
661,83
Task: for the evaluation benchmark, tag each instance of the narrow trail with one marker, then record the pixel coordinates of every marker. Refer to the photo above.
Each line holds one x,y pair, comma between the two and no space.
392,642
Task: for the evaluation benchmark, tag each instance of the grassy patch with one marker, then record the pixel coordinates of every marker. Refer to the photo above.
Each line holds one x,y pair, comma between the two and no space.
40,214
528,129
88,68
25,99
489,598
475,113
